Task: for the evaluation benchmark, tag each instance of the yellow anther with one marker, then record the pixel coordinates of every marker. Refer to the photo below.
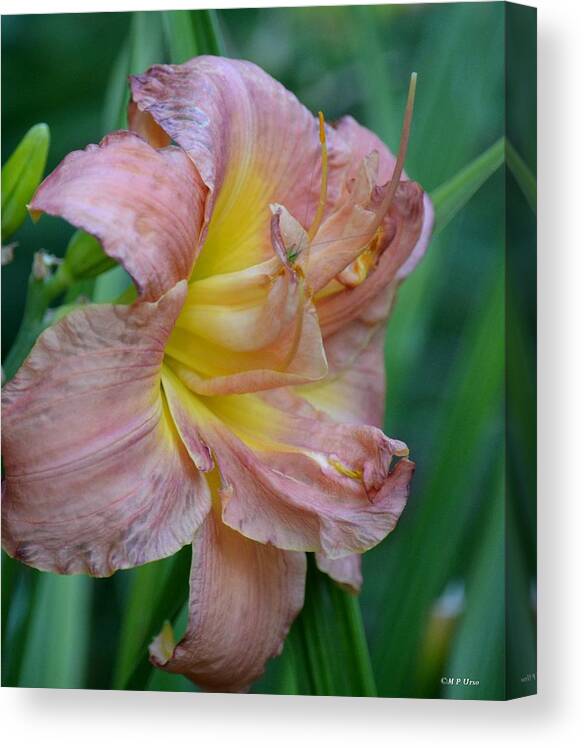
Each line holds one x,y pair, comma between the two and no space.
323,180
322,131
344,470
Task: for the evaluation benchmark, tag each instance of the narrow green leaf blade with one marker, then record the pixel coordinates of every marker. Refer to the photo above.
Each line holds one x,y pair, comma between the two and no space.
453,195
158,592
180,35
326,652
208,33
55,654
522,174
144,47
348,610
478,652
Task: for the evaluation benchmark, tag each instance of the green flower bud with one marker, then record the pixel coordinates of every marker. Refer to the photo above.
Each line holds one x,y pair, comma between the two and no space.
21,175
85,258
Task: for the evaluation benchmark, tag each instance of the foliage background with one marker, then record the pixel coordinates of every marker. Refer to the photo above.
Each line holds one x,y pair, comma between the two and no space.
433,602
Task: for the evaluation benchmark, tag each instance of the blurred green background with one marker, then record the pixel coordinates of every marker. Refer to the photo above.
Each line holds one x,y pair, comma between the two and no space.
436,592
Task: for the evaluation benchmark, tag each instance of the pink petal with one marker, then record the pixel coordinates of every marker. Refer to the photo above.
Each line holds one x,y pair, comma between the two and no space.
354,392
361,142
97,478
145,206
253,144
345,571
243,599
293,478
143,124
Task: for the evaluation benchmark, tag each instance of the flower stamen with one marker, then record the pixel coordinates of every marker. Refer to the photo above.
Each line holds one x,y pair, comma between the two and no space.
403,148
323,180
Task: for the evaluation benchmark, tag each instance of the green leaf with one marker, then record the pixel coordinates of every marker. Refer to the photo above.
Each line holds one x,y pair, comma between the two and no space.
478,651
520,614
21,175
55,653
348,610
469,421
116,96
522,174
146,41
145,586
208,33
144,47
326,652
157,593
180,35
19,594
453,195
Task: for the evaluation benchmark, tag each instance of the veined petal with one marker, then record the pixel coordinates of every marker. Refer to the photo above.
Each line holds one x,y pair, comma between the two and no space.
97,477
354,391
345,571
253,144
144,205
293,478
243,599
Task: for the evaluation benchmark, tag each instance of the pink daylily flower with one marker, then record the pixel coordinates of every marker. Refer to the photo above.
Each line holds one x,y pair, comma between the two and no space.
237,404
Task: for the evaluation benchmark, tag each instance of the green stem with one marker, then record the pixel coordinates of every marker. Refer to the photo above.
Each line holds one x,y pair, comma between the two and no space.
41,293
